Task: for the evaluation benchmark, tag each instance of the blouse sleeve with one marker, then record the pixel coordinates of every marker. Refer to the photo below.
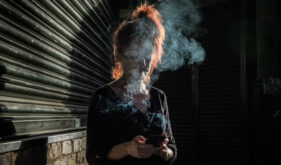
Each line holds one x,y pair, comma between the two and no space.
97,144
172,143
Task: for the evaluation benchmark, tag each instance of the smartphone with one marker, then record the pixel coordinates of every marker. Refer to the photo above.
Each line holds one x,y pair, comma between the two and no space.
156,140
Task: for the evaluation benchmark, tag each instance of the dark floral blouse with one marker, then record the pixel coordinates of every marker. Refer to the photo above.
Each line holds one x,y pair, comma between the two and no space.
112,122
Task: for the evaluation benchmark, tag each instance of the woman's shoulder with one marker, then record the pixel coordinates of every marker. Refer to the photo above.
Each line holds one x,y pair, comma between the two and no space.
102,96
101,91
157,91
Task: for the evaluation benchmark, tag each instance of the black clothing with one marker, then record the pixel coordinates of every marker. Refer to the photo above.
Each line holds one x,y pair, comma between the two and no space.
112,122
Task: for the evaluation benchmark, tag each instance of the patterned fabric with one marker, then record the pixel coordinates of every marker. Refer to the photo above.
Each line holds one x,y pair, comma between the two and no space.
112,122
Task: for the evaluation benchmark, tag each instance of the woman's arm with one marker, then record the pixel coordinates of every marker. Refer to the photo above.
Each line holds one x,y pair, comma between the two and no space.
98,141
119,151
170,152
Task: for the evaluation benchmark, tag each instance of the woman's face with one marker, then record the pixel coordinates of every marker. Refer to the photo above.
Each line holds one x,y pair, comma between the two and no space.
137,57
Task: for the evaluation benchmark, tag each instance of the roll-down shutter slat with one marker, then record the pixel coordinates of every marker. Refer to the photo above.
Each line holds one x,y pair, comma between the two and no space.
53,55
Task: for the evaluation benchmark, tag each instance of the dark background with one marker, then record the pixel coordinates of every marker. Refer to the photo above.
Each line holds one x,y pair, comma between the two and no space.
226,110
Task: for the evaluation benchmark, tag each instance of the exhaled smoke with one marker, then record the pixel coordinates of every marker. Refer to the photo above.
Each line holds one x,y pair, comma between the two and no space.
136,83
130,112
136,67
137,63
180,20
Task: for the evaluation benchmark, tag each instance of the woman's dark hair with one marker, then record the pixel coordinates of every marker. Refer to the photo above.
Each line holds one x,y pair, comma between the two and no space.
151,29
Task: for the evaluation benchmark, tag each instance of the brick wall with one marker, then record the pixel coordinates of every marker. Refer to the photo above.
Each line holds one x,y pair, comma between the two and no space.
68,152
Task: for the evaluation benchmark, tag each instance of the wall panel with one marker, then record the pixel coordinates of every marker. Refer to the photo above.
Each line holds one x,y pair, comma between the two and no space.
53,55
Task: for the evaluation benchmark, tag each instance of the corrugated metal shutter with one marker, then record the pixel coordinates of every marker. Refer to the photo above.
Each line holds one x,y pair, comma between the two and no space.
220,118
53,54
177,86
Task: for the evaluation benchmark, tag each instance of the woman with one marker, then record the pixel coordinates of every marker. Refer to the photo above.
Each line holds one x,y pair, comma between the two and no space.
126,112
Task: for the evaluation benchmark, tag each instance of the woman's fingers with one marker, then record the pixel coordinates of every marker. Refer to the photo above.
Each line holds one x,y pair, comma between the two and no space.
145,146
143,150
164,146
140,139
146,149
166,141
146,153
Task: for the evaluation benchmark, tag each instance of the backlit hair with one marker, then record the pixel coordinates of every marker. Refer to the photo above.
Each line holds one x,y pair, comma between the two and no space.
154,31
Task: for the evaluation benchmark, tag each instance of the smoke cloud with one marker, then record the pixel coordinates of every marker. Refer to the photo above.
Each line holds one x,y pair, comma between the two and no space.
137,64
180,19
129,112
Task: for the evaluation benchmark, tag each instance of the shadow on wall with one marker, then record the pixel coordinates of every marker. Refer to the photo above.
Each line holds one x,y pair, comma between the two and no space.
35,153
7,127
46,79
30,152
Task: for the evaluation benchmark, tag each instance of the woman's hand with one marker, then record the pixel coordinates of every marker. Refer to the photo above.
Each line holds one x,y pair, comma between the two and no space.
138,149
163,151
